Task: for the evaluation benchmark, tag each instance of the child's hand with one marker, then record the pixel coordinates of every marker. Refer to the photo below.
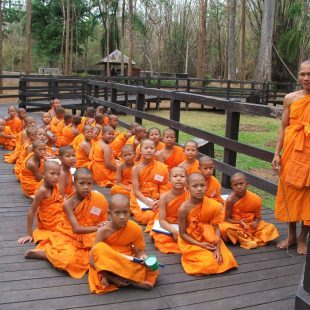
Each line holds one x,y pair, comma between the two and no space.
218,255
255,223
142,256
243,224
152,204
208,246
25,239
102,224
175,235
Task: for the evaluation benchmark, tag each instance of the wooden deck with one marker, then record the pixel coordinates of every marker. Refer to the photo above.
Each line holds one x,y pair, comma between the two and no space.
267,278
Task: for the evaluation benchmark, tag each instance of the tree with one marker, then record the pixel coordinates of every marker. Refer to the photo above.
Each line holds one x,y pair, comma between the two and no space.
242,59
28,37
201,57
1,41
130,36
231,65
263,68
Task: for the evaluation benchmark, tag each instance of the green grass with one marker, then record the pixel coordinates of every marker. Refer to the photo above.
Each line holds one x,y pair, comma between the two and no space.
265,130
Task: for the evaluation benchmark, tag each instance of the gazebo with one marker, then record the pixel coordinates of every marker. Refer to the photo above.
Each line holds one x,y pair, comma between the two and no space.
115,60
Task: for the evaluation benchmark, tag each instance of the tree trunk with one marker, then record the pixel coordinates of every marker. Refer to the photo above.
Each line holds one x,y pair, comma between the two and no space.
1,42
108,40
123,39
63,10
242,60
231,73
66,70
263,68
71,43
130,37
201,57
28,37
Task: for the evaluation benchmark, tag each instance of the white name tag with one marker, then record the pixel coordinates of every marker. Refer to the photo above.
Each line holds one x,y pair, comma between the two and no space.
95,211
158,178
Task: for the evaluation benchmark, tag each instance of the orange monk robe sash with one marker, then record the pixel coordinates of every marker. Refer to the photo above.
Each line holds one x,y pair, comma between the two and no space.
126,180
153,181
131,140
66,137
82,124
176,157
69,189
107,256
27,180
11,158
19,162
248,208
8,143
15,124
195,259
165,243
82,159
69,251
101,175
77,140
193,168
60,126
118,144
54,123
214,189
49,213
292,201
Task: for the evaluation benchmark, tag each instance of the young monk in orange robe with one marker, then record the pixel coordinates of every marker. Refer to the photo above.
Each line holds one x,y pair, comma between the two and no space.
21,114
203,251
191,164
102,163
214,188
70,131
68,247
121,140
22,137
103,110
243,221
7,138
26,149
149,181
88,119
113,122
115,241
293,196
32,168
57,119
55,103
67,120
169,204
171,155
140,134
47,205
82,150
155,135
46,120
13,121
123,172
67,158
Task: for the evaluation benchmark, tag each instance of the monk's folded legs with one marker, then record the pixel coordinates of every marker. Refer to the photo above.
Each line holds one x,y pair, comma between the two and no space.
36,254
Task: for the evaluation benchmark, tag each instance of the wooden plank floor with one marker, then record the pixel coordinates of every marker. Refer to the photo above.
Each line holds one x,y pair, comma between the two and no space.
267,278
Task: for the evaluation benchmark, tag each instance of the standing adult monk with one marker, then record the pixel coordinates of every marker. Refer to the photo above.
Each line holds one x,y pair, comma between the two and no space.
293,197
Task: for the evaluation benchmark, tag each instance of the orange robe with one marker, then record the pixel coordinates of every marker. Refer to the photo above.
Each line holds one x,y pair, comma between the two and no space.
248,207
8,143
67,136
77,140
106,120
165,243
193,168
118,144
27,180
15,124
195,259
107,256
214,189
54,123
294,185
49,213
19,162
153,180
126,180
69,190
176,157
82,159
101,175
69,251
11,158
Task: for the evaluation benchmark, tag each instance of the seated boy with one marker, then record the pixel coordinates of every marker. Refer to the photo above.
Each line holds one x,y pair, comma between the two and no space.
243,223
68,247
102,163
46,120
110,258
149,181
55,103
70,131
82,149
57,119
13,121
169,204
191,164
67,158
21,114
88,119
171,155
124,172
47,205
101,109
32,168
7,138
203,251
113,122
140,134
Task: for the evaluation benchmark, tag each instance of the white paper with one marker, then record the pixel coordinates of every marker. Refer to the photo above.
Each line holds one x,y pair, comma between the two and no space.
143,206
224,196
158,178
157,228
95,211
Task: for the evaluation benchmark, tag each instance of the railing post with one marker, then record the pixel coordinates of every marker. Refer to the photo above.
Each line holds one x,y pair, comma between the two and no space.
228,89
307,270
140,101
175,114
126,95
188,85
83,103
22,90
265,93
232,132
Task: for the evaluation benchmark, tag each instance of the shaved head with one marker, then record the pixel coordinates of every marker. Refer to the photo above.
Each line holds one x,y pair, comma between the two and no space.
82,172
205,159
305,63
51,164
147,141
194,177
178,168
238,175
119,200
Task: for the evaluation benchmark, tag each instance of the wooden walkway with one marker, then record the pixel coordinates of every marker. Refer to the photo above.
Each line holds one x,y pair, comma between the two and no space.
267,278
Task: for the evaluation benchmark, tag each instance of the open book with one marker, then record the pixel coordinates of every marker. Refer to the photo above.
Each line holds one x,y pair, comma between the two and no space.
157,228
224,196
143,206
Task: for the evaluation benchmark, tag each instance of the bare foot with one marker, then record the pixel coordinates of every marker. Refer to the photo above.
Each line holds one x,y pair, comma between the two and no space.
146,285
114,279
35,254
301,247
283,244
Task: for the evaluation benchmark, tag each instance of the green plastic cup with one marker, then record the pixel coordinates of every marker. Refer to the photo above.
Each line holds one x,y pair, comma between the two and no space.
151,262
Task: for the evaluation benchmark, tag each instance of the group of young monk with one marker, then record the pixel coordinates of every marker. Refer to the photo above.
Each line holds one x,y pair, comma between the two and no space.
162,185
